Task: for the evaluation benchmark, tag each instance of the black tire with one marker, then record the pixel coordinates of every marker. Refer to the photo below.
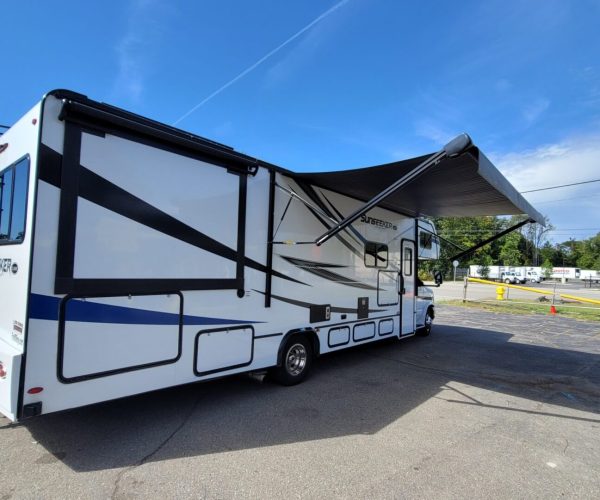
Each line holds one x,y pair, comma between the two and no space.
507,282
426,330
295,363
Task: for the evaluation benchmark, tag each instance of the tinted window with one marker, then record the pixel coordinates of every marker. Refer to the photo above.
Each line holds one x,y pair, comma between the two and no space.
6,183
408,261
13,202
426,240
376,254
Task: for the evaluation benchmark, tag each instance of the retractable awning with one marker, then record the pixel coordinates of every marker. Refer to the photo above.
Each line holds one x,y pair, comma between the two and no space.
465,185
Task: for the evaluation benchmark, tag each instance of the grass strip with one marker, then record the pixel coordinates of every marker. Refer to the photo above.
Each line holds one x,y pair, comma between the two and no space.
522,307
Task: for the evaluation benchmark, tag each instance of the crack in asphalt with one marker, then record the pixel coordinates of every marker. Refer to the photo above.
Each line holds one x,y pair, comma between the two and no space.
160,446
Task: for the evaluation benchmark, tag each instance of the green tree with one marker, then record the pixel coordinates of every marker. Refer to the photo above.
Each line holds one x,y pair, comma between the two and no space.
510,253
589,253
535,237
549,253
547,269
484,267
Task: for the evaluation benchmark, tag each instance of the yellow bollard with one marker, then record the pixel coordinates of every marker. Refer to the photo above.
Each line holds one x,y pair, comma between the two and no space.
500,293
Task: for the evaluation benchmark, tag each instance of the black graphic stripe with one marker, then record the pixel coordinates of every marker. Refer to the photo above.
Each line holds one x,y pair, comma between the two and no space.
339,214
317,269
311,192
309,263
312,195
104,193
308,305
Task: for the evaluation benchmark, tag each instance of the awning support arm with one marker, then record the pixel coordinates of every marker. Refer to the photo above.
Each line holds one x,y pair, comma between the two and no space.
455,147
441,238
469,251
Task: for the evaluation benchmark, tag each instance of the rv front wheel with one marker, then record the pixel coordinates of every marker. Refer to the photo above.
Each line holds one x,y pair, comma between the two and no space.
295,361
426,329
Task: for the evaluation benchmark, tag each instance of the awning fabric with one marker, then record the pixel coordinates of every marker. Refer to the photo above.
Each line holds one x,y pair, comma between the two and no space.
468,185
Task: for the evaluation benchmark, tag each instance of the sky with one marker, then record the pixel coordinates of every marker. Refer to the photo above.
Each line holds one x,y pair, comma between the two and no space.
317,85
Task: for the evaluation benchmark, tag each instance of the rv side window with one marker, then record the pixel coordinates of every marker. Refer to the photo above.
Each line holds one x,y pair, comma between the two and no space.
5,196
425,240
13,202
408,262
376,254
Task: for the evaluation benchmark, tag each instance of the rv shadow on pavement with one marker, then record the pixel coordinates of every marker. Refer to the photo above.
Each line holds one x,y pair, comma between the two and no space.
357,391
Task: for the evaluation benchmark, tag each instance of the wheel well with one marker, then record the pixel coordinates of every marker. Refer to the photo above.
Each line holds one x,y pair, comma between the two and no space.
431,311
309,333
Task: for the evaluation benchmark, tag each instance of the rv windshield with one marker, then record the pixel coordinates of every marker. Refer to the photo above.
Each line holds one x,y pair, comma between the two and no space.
13,202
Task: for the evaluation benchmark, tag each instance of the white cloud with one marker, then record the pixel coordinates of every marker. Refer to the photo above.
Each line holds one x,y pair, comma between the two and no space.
134,49
572,160
534,110
430,129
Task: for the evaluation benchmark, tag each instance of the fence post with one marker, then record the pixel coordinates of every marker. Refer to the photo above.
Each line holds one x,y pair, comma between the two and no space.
465,289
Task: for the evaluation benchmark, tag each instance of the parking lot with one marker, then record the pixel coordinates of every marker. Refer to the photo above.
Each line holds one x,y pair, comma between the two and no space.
489,405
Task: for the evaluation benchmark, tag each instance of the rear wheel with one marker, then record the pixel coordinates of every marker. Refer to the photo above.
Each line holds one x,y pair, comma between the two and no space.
296,360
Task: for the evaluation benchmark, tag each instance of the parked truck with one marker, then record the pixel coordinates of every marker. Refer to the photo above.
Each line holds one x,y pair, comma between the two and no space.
590,275
566,273
533,274
506,274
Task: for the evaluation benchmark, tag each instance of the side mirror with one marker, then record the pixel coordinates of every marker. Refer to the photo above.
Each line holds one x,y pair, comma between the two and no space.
438,278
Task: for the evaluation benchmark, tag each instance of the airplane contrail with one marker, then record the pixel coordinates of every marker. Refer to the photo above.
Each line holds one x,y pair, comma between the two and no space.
261,60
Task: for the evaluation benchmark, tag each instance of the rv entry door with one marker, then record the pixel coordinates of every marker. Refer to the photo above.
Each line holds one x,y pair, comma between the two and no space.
407,290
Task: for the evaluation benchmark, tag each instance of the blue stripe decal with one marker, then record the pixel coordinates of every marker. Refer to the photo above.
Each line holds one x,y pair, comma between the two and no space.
46,307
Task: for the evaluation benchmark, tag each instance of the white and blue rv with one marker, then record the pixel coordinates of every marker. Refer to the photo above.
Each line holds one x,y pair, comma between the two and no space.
135,256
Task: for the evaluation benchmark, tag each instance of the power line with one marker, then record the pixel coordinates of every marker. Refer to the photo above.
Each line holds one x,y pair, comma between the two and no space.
261,60
567,199
577,229
560,186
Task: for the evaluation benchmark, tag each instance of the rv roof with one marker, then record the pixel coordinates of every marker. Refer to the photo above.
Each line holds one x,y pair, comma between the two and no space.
468,185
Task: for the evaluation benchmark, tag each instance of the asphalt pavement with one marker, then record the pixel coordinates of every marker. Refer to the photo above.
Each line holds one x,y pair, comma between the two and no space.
488,406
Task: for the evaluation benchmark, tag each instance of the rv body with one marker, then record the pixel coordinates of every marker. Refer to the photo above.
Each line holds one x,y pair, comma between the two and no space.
137,258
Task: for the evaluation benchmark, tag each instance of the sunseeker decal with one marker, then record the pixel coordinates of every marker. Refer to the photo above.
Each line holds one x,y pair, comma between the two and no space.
378,222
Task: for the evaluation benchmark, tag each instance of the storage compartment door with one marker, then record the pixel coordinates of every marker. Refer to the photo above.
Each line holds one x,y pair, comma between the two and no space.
223,349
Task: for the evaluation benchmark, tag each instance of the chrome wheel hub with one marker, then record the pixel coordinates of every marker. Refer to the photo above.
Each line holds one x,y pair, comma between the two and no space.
295,361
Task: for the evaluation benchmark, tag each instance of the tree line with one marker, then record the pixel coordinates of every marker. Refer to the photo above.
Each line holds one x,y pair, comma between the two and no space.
527,246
